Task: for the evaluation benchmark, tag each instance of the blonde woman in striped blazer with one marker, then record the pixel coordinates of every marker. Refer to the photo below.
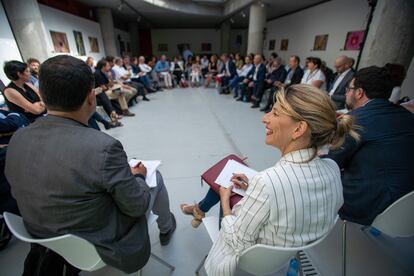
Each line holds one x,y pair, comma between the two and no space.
296,201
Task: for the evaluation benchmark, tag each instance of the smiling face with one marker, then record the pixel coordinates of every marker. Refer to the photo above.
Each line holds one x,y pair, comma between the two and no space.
279,128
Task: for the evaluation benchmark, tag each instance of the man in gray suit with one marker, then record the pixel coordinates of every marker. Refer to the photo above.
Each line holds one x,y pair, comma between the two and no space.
68,178
342,78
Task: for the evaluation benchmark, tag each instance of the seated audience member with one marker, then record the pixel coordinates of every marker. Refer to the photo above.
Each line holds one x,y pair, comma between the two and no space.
150,72
274,79
195,72
377,169
241,75
20,95
204,66
329,74
269,62
177,69
139,81
102,81
99,197
298,126
238,61
294,74
163,70
314,75
227,73
212,70
91,63
119,75
34,71
397,73
253,84
342,78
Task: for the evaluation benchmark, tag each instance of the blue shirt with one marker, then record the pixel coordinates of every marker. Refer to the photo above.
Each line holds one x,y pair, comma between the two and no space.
162,66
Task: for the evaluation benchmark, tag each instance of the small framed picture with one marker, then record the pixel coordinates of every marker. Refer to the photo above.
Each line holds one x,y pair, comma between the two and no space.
284,44
272,44
320,42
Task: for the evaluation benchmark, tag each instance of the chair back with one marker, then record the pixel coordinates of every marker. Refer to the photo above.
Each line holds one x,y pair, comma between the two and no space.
265,259
76,251
397,220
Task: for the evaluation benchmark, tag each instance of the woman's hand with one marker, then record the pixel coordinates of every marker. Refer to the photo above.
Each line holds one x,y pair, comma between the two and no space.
240,181
225,194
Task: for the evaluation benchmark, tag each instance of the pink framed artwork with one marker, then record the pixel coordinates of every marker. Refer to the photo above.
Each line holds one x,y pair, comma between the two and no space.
353,40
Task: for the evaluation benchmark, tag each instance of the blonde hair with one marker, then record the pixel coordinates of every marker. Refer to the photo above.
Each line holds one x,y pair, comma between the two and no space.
307,103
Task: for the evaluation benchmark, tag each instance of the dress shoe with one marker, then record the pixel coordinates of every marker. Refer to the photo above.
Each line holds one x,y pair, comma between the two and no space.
255,105
265,109
127,113
145,99
239,99
166,237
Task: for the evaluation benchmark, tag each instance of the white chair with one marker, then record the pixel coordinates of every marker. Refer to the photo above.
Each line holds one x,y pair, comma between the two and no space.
78,252
259,259
395,221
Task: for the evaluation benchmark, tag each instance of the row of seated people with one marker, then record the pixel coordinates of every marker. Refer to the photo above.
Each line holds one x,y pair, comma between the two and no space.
366,170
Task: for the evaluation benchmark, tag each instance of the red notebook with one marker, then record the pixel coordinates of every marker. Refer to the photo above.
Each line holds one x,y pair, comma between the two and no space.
211,175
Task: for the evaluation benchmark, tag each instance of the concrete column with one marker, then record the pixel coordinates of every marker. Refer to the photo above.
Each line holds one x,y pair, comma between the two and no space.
28,28
104,16
134,33
225,37
391,34
257,24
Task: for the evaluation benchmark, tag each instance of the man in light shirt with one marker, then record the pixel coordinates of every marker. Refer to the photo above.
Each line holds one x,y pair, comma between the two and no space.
342,78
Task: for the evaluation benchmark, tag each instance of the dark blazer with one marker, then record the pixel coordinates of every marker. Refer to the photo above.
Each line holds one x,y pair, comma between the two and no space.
261,73
378,169
232,69
297,76
278,75
68,178
338,96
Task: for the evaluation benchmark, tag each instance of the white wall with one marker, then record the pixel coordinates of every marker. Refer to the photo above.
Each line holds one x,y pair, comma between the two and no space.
407,88
194,37
126,38
8,45
57,20
335,18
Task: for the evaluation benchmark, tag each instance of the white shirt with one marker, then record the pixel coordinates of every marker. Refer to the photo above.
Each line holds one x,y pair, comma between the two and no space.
290,205
119,72
244,70
145,68
395,94
316,75
338,81
256,70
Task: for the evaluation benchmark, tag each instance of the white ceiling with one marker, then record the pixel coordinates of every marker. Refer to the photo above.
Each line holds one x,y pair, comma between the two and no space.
193,13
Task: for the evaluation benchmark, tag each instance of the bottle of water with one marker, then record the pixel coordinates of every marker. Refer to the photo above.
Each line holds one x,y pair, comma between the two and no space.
293,268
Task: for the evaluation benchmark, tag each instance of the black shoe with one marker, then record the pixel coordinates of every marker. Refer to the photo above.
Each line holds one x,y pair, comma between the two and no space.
235,96
165,238
264,109
239,99
145,99
255,105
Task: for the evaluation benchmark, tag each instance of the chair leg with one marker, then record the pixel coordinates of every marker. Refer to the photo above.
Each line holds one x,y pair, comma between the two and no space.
344,248
139,273
200,265
161,261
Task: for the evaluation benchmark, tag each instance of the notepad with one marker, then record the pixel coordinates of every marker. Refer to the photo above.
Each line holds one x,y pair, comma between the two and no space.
231,167
152,166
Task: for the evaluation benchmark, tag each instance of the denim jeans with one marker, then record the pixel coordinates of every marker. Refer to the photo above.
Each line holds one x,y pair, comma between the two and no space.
211,199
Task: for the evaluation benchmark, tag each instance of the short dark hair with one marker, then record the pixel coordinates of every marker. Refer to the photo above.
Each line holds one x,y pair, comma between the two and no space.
274,55
11,68
110,58
32,60
397,73
375,81
65,82
101,64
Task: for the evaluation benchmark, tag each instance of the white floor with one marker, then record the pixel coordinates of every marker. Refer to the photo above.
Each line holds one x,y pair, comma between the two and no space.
190,130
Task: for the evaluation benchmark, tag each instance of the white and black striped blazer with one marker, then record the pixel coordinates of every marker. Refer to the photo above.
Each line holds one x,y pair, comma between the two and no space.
291,204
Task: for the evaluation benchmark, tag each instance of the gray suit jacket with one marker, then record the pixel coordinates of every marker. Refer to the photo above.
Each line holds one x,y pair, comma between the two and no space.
68,178
339,95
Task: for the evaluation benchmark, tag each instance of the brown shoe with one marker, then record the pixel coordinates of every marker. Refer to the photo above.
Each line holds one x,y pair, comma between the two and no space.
127,113
194,211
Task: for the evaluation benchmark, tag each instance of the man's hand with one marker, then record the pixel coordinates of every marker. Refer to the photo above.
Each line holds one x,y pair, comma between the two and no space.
139,169
251,84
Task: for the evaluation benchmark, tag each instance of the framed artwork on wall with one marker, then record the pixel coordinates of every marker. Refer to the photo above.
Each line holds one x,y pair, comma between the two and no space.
206,47
353,40
80,46
320,42
272,44
163,47
284,44
60,42
93,42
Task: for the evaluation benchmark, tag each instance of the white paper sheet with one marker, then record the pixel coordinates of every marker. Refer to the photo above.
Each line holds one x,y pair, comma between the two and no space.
151,166
231,167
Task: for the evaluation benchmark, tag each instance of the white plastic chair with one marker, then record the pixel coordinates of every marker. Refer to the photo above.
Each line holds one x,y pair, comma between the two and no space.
78,252
395,221
260,259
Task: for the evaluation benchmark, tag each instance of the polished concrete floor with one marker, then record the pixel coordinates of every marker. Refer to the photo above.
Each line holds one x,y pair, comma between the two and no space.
189,130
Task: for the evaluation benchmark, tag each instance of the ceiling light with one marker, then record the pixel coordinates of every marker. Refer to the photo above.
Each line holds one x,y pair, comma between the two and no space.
120,6
232,20
243,14
261,4
138,18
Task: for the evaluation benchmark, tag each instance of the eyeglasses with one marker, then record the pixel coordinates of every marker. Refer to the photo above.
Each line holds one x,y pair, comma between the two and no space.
351,88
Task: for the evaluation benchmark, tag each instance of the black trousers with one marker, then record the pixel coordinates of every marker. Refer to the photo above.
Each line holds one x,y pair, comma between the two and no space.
258,91
42,261
102,99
